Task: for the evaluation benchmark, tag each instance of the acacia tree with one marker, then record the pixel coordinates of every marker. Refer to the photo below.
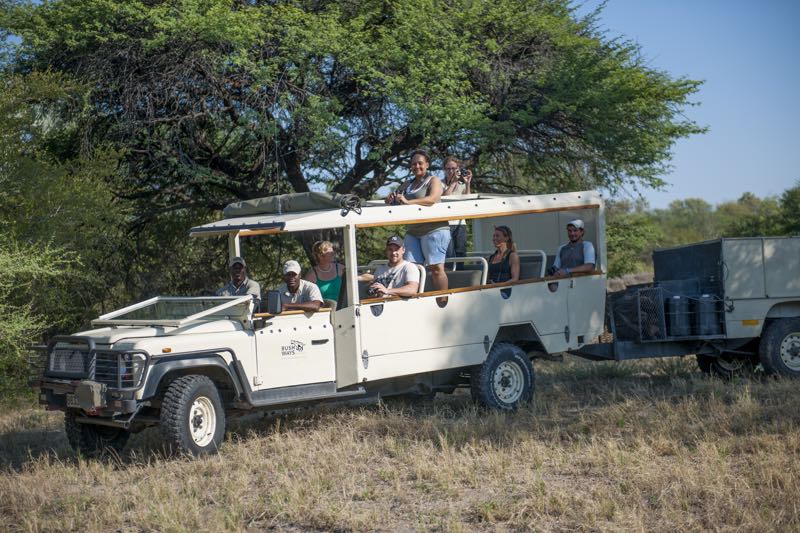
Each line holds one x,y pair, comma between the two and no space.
221,100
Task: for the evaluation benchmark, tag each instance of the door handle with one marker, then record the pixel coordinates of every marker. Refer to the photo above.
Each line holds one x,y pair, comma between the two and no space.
319,341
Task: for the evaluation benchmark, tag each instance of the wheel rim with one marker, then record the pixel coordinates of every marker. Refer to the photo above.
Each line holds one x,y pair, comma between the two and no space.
202,421
509,382
790,351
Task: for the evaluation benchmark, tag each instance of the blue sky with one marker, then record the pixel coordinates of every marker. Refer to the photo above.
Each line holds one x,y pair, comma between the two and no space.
748,53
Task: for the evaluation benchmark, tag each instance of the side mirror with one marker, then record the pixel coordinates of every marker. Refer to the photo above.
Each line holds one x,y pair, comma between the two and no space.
274,305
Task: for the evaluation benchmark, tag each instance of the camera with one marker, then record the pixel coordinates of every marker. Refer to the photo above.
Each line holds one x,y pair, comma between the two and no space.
371,292
462,172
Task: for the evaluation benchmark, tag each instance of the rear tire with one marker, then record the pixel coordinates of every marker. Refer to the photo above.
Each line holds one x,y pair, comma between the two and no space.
91,440
505,380
192,416
779,349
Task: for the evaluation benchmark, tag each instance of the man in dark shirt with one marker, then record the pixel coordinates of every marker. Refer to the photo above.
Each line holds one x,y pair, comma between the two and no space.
240,284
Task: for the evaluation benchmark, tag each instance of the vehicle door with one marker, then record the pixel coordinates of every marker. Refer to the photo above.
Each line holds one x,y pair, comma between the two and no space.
295,348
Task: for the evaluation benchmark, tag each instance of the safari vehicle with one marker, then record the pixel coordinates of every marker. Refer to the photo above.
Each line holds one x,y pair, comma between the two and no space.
186,363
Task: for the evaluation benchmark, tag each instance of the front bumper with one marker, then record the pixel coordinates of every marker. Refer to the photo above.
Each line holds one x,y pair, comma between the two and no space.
90,396
78,375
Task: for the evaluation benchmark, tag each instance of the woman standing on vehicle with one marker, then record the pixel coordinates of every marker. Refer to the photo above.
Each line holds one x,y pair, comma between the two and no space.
425,243
328,273
504,262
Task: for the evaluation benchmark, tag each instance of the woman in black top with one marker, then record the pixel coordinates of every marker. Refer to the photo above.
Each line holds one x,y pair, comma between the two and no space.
504,262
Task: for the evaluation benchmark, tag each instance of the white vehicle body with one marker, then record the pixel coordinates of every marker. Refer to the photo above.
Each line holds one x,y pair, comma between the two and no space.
366,345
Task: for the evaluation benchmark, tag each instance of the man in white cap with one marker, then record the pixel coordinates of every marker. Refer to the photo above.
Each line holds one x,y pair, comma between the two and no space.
240,284
575,256
298,294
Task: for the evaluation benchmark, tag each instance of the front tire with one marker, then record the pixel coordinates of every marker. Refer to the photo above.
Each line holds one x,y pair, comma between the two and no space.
505,380
779,349
192,416
91,440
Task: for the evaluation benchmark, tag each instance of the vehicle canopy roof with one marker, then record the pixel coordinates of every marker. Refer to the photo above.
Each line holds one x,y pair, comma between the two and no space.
375,213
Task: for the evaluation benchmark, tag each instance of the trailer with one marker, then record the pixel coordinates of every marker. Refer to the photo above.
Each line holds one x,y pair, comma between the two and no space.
733,302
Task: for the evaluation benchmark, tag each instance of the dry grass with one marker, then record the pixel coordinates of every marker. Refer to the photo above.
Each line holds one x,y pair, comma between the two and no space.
637,446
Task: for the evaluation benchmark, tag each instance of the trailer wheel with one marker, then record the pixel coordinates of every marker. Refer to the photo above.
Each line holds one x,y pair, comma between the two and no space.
504,380
192,416
725,366
91,440
779,349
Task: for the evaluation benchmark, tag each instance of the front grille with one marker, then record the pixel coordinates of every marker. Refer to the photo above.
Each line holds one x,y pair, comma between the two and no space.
77,358
119,370
71,361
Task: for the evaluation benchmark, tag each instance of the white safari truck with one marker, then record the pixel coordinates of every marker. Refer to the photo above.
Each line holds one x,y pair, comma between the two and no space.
185,364
182,363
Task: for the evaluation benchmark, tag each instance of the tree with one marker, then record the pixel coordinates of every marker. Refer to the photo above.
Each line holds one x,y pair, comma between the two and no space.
790,213
221,100
749,216
631,236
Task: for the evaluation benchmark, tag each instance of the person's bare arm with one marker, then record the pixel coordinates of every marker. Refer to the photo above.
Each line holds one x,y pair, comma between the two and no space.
308,307
468,181
513,260
409,289
433,197
567,271
448,190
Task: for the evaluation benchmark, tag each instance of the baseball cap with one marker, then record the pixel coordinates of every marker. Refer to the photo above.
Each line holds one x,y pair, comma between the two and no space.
578,223
291,266
239,260
394,239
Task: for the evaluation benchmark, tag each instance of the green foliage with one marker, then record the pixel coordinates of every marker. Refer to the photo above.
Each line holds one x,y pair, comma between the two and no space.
631,236
25,272
633,231
218,100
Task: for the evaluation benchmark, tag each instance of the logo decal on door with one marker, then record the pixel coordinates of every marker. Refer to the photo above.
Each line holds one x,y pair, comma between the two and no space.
293,349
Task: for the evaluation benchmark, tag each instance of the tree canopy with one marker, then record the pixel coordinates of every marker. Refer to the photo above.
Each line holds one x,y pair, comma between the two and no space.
210,101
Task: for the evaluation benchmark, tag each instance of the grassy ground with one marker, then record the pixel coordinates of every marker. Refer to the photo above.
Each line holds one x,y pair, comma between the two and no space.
642,446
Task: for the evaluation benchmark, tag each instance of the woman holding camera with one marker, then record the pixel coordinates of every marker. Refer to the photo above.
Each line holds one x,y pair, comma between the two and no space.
425,243
457,181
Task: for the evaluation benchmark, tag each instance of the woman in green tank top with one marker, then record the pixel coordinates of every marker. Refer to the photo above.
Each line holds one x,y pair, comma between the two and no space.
327,273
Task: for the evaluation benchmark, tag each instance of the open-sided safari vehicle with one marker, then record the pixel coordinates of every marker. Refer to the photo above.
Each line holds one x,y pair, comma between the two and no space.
183,363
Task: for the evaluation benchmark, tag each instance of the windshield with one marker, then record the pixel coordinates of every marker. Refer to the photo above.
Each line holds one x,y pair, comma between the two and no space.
177,310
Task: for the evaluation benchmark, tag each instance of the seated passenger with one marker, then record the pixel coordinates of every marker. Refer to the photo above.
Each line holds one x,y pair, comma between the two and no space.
298,294
575,256
328,273
398,278
504,262
240,284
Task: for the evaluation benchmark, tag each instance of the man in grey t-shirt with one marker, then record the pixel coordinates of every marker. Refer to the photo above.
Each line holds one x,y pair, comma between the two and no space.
298,294
240,284
575,256
399,277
